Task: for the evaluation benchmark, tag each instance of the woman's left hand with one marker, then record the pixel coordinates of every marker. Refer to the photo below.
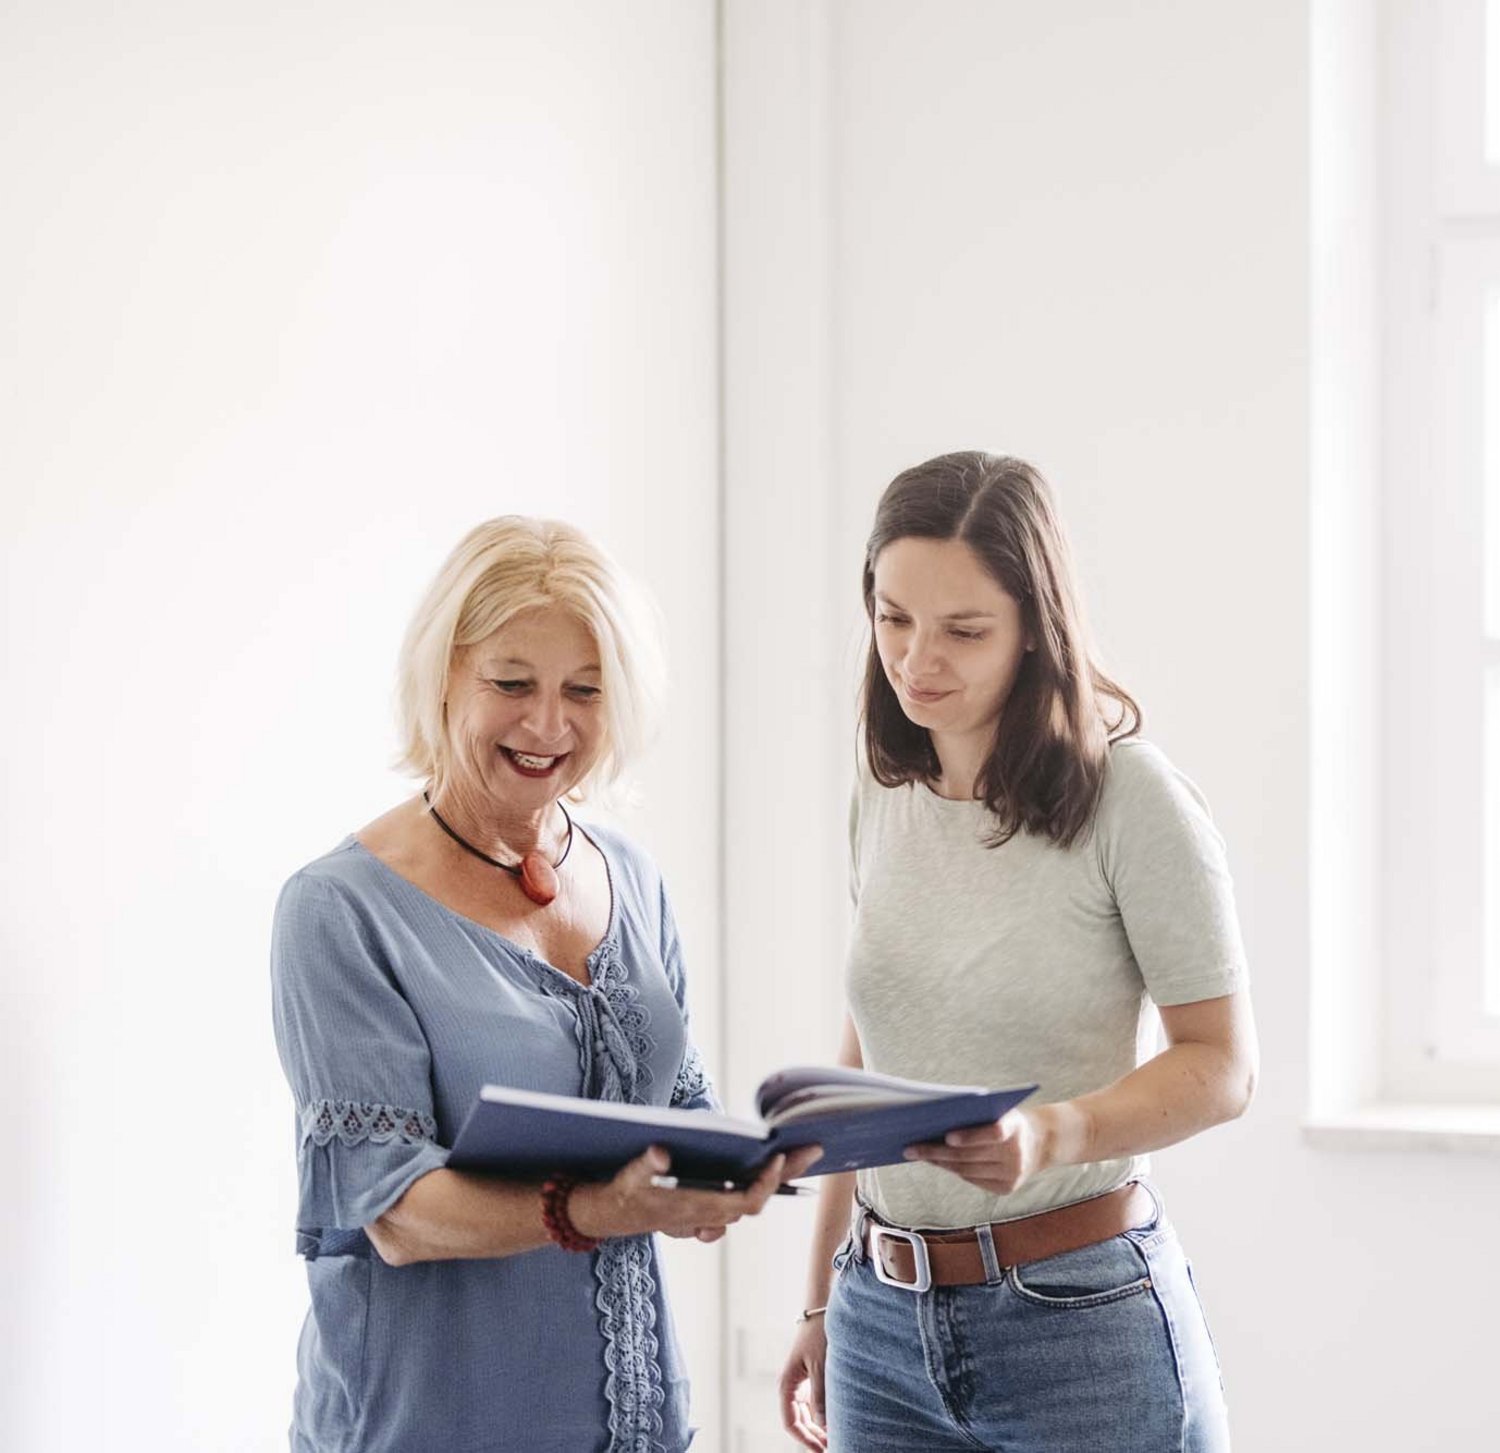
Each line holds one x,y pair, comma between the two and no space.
999,1157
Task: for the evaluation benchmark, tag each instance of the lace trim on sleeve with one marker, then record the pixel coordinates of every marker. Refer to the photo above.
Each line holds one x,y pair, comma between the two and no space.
350,1122
692,1086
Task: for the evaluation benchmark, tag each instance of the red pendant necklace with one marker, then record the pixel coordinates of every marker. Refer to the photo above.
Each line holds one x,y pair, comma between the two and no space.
538,876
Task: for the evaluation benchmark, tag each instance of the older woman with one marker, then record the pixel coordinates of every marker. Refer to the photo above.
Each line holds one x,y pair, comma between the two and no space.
478,932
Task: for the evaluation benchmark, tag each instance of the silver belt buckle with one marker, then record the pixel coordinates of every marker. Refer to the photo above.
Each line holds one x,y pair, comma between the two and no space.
921,1264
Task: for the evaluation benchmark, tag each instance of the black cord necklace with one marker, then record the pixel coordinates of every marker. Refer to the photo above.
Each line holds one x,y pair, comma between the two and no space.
538,876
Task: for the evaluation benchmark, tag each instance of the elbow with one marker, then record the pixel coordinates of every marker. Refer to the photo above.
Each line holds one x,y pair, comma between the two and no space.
1224,1086
1239,1089
407,1232
390,1245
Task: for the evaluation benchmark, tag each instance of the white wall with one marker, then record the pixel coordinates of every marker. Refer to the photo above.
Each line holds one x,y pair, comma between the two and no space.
1080,233
789,619
294,298
294,301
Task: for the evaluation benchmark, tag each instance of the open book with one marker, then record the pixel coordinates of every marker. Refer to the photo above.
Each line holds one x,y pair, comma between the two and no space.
859,1118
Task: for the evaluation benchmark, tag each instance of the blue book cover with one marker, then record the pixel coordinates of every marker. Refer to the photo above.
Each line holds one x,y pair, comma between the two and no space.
859,1118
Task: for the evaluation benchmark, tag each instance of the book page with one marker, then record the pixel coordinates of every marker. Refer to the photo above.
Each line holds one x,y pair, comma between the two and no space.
812,1080
806,1103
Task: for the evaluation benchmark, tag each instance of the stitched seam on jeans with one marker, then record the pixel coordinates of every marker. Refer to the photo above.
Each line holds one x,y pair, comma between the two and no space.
929,1362
941,1383
958,1337
1182,1392
1077,1304
1209,1331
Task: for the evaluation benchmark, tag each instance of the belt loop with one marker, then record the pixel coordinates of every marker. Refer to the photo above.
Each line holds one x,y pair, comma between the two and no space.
993,1271
857,1225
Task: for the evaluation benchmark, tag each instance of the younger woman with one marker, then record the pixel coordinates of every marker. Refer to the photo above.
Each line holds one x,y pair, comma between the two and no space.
1030,879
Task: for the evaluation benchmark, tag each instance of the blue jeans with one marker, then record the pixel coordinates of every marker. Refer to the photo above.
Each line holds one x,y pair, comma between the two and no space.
1102,1350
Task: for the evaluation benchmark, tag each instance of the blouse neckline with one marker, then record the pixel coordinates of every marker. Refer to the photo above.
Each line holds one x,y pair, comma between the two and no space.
590,963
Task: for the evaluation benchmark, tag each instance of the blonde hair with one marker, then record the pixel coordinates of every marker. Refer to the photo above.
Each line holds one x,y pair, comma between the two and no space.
499,569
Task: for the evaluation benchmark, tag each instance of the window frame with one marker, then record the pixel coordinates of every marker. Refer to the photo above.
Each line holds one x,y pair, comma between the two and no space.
1439,307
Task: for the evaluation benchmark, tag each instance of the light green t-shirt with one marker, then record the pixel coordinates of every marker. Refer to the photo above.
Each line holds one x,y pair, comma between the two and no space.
1030,963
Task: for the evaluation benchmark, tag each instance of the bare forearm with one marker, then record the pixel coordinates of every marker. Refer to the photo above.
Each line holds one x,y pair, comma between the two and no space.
446,1215
829,1229
1183,1090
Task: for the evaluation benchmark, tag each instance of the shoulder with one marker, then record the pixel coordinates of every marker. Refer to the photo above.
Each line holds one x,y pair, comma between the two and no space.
336,897
1139,770
1136,767
344,872
1144,792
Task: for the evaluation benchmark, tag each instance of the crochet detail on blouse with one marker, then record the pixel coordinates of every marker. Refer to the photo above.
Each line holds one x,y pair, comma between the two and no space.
692,1080
612,1029
615,1046
351,1122
628,1320
632,1021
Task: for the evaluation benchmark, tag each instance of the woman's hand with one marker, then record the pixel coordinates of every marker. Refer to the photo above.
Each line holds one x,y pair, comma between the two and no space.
803,1414
629,1205
1000,1157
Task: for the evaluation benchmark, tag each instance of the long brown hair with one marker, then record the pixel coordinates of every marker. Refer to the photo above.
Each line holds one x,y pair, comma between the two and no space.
1046,768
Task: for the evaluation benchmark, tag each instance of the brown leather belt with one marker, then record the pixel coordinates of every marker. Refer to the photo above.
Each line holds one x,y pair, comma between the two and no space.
957,1258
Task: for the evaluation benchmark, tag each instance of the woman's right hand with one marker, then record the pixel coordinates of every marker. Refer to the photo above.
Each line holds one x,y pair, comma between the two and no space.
803,1414
629,1205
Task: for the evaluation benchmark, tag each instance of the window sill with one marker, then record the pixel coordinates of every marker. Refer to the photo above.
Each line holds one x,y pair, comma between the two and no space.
1467,1129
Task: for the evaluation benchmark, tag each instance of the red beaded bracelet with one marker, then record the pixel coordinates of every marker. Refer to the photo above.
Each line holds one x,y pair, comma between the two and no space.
560,1227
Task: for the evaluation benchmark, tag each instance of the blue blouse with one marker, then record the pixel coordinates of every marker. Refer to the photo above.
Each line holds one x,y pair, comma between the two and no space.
391,1010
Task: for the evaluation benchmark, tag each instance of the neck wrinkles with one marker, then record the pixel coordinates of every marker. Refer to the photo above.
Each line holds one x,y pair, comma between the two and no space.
499,830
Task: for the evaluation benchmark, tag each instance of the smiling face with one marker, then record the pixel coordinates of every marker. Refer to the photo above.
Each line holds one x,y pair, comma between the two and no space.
949,636
525,711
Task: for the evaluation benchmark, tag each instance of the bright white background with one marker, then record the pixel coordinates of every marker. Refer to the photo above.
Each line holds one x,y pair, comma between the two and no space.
293,300
294,297
1081,233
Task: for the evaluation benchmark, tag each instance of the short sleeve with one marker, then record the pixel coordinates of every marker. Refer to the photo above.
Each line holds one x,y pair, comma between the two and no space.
692,1090
357,1062
1165,861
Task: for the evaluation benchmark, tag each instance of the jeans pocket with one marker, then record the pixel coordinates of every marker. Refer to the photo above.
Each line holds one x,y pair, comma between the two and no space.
1092,1276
